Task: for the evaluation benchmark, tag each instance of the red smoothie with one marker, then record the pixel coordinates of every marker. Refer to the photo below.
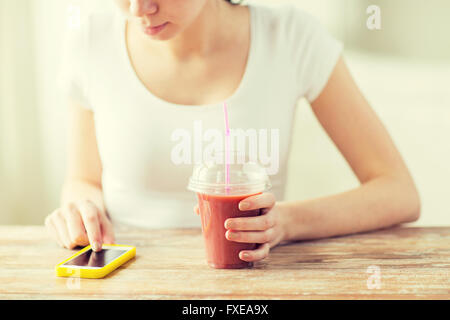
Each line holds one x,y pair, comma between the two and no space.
214,211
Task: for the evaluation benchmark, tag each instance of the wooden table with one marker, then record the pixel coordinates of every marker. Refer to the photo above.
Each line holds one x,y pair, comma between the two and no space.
398,263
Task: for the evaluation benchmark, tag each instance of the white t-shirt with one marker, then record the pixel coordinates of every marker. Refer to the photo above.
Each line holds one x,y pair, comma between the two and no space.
291,56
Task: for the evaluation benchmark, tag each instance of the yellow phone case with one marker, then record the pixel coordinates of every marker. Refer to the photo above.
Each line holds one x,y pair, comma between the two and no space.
68,271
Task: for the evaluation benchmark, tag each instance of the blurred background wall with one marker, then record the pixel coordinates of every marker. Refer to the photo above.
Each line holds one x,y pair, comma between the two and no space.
403,69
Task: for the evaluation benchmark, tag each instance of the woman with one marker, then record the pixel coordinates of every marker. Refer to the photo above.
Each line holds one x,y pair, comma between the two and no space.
135,78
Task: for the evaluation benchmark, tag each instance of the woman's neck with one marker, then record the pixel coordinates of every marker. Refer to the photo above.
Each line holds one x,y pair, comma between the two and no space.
208,33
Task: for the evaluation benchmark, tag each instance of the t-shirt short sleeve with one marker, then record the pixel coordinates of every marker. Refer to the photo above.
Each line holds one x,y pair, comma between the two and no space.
73,77
314,53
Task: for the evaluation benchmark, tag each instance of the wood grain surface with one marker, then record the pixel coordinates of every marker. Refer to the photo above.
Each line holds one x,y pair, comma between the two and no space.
397,263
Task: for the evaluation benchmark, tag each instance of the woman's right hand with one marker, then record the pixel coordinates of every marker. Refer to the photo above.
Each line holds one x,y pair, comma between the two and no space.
78,224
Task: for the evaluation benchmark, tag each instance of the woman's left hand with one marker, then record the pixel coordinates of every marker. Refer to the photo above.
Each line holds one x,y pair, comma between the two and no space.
266,229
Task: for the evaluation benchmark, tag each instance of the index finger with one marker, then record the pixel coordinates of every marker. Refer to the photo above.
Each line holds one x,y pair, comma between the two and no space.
264,200
257,223
89,214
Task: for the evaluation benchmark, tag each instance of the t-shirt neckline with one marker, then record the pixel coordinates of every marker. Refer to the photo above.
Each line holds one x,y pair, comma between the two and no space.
137,81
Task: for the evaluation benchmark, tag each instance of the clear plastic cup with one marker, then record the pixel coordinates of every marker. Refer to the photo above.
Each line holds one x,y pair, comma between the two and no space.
219,201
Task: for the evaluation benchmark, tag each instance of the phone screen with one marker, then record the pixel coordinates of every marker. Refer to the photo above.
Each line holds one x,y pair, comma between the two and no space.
91,258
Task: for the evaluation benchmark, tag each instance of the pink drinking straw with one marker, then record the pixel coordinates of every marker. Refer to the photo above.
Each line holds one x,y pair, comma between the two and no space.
227,148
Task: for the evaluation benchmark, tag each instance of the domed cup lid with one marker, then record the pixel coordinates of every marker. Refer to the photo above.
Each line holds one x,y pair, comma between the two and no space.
245,177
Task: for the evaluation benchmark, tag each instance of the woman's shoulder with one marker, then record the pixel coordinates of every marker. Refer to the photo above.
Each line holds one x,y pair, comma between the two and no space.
102,21
90,25
287,24
298,44
88,34
282,13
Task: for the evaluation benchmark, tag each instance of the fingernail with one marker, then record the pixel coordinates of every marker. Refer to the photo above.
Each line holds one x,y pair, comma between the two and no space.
244,205
245,255
230,235
96,246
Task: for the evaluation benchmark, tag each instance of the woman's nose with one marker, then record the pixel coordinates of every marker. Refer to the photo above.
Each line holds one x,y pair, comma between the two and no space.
141,8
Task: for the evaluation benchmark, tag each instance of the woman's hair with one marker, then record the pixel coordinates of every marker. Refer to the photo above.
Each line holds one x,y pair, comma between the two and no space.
234,1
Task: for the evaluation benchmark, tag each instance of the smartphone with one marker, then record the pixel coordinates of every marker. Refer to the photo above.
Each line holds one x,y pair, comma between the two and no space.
87,263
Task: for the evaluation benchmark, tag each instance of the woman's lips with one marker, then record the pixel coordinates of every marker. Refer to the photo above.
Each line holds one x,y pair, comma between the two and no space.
151,31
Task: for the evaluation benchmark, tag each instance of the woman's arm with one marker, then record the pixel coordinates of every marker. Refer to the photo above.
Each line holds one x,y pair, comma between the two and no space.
387,195
81,218
84,167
